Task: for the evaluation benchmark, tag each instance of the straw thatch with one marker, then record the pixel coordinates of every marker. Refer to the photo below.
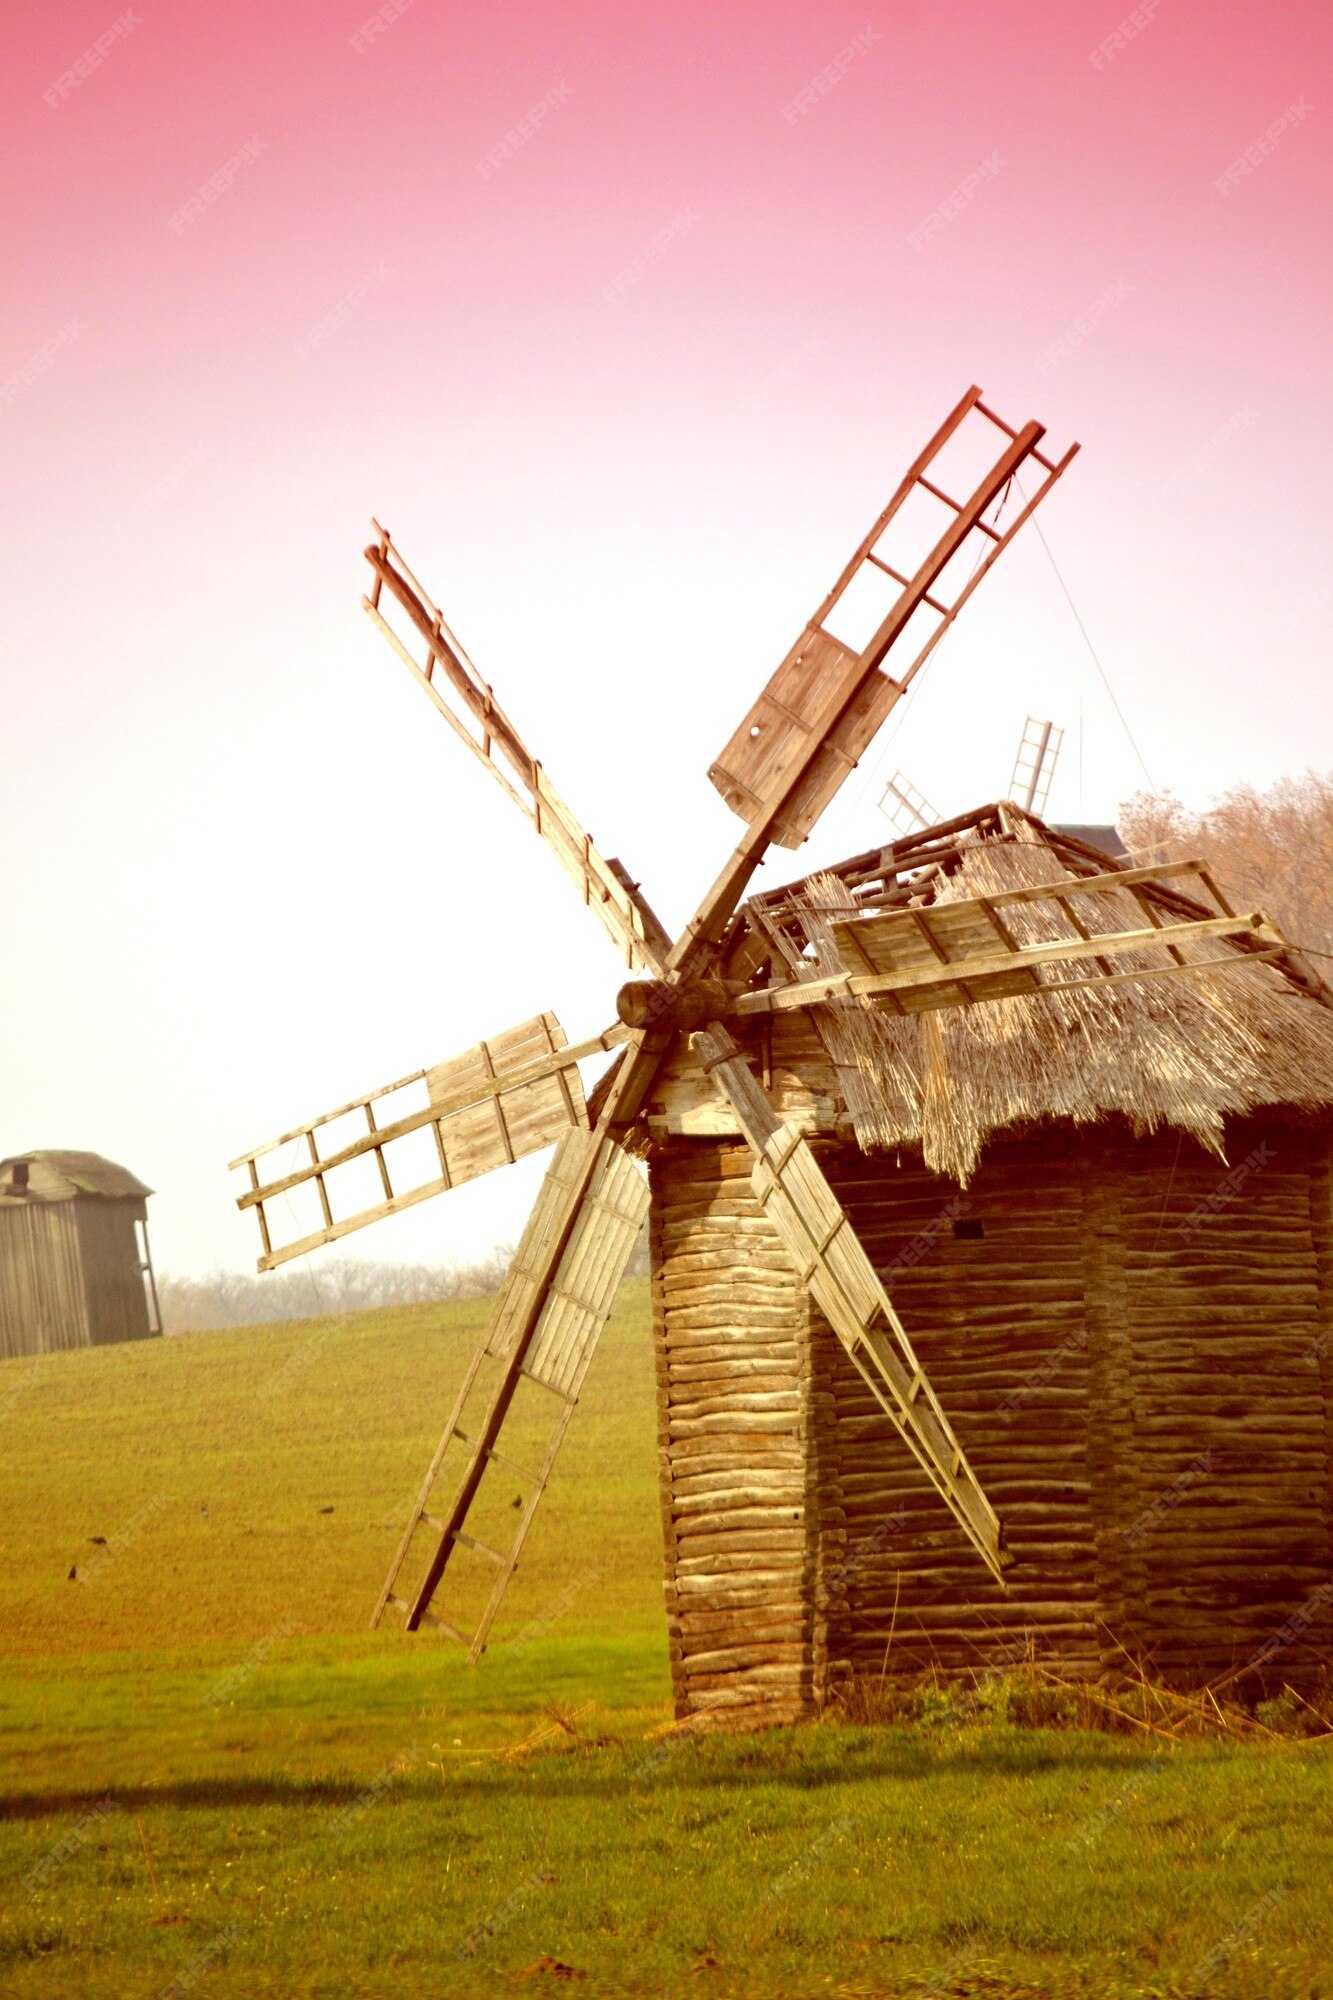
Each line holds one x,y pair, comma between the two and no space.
1185,1051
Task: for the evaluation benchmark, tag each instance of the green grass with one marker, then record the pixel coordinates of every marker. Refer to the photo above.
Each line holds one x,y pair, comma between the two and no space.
297,1806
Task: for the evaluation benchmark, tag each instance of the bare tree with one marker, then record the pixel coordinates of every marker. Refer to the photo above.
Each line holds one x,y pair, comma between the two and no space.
1270,850
312,1291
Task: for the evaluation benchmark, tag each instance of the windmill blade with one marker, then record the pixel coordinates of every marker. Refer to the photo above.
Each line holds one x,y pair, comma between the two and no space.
831,1263
495,1103
1034,765
906,808
541,1331
961,954
825,703
468,705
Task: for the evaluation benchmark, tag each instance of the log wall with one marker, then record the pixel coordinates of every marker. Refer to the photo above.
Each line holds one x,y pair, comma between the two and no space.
740,1501
1135,1346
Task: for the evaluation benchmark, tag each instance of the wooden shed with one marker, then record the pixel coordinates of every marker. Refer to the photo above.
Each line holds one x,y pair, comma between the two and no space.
1105,1217
75,1269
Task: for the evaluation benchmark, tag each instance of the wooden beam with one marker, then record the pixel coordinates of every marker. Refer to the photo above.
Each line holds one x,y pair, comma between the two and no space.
461,1100
917,979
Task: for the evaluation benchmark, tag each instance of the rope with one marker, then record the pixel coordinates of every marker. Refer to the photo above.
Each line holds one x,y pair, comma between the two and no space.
1110,691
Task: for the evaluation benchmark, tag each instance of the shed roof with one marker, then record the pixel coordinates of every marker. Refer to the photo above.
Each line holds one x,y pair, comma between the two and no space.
1185,1051
56,1174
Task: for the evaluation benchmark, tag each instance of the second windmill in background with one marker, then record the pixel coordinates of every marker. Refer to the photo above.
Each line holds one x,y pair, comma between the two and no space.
908,810
1034,766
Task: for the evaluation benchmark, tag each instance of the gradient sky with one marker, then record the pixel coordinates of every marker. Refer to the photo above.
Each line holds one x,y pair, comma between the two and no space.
247,871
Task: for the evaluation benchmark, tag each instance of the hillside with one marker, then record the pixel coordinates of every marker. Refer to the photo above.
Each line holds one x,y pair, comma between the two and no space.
259,1475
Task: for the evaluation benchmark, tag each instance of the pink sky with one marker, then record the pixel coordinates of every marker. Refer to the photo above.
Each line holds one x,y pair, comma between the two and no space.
246,875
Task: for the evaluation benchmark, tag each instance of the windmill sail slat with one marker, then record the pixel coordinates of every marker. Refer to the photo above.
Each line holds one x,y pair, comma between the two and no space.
819,712
468,705
597,1179
816,692
591,1269
829,1259
502,1122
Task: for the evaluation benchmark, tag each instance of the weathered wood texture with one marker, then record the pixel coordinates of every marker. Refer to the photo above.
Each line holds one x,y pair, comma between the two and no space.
1136,1351
70,1274
745,1543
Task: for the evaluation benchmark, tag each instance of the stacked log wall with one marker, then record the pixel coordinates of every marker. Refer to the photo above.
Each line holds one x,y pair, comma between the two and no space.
1136,1353
997,1320
1229,1419
740,1498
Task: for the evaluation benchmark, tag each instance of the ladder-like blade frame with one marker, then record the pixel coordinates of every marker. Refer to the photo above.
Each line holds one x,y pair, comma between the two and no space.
818,714
967,981
468,705
1034,765
829,1259
507,1097
592,1203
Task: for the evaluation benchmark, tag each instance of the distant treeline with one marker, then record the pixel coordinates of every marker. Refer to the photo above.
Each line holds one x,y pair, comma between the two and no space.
317,1286
1270,849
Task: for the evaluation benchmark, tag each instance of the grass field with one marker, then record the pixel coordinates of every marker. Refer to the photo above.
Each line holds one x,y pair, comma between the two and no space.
216,1780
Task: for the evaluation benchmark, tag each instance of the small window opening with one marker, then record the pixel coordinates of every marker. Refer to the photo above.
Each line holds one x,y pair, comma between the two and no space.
21,1174
970,1229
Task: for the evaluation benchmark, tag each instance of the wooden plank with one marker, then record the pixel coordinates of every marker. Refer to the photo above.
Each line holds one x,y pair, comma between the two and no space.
996,976
831,1263
526,782
484,1115
805,732
446,1104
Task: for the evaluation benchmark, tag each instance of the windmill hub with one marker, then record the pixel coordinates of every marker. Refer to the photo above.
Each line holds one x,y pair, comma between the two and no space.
658,1003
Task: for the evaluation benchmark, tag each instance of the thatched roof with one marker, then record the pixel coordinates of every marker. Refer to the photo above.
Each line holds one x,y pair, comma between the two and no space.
60,1175
1185,1051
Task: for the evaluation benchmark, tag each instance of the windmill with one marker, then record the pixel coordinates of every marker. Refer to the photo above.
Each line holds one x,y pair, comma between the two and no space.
520,1091
1034,765
908,810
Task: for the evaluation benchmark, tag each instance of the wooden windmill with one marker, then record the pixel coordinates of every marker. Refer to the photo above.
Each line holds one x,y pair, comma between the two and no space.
520,1091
